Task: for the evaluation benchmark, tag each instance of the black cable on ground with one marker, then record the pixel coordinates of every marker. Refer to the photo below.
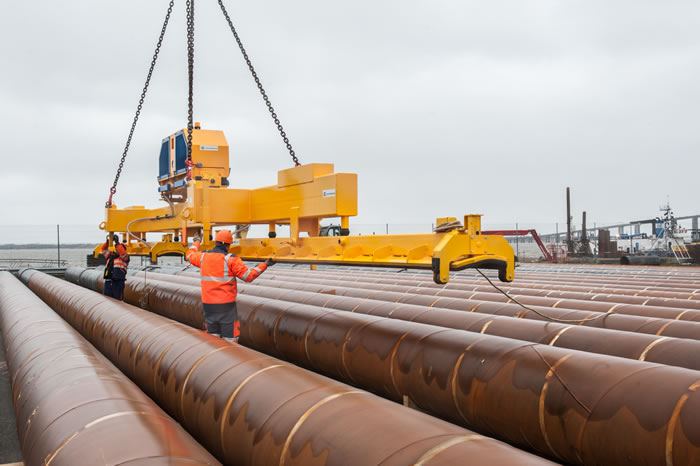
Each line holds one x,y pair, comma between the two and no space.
527,308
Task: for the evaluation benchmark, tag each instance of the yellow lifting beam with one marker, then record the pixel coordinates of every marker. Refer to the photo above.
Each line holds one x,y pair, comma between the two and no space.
199,200
454,250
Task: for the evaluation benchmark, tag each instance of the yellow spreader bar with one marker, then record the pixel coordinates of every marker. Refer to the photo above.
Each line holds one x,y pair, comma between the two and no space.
440,252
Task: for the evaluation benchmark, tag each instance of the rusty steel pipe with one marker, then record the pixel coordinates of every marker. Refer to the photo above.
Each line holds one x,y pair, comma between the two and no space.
663,273
613,321
523,277
248,408
671,274
678,352
520,285
135,294
451,289
632,281
632,305
576,406
480,285
621,307
669,330
72,405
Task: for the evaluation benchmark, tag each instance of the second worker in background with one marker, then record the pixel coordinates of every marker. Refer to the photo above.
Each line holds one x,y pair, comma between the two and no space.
219,271
115,269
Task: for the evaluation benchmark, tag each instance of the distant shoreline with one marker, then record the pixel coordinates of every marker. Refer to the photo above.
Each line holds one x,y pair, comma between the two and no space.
47,246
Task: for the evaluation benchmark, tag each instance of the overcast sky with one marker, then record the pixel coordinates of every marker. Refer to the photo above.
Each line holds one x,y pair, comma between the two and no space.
440,107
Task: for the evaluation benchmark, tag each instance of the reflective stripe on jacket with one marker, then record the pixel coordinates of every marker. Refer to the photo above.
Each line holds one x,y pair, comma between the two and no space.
219,271
121,258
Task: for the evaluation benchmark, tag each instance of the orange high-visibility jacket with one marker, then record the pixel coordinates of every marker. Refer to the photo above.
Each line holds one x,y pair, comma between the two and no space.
121,258
219,272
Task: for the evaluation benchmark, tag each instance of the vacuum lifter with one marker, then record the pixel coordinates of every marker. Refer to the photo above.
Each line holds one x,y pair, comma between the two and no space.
199,199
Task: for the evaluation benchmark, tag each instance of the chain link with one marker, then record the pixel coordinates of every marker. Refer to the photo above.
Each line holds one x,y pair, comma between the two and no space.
113,189
260,86
190,73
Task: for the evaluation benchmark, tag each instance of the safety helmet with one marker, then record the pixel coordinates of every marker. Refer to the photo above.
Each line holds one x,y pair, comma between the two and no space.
224,236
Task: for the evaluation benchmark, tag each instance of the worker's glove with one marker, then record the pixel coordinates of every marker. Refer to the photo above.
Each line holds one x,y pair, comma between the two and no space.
197,239
269,262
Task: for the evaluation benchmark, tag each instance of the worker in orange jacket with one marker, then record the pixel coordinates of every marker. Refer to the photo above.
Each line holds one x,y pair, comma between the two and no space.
115,270
219,270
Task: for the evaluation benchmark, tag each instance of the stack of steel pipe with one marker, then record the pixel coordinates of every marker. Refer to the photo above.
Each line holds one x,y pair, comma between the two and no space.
620,306
653,348
687,278
248,408
144,291
576,406
72,405
557,297
609,320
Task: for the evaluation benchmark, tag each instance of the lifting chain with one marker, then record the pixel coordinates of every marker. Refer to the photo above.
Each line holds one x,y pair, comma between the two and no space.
260,87
113,189
190,74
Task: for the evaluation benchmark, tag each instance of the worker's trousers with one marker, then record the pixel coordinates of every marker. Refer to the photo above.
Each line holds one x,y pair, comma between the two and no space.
115,289
222,320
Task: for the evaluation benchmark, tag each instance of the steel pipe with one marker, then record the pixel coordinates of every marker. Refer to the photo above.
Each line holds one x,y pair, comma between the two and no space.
622,280
576,406
451,289
609,268
554,277
679,352
521,285
248,408
621,307
463,290
619,317
534,328
137,294
611,320
72,405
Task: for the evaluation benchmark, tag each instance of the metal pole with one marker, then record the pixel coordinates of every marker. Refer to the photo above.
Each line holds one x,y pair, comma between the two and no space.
387,228
58,244
517,242
569,243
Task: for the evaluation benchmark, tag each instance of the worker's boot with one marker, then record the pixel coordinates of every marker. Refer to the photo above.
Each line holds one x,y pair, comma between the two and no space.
233,340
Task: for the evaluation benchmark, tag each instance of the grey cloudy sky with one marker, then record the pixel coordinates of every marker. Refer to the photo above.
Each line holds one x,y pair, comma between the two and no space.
441,107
